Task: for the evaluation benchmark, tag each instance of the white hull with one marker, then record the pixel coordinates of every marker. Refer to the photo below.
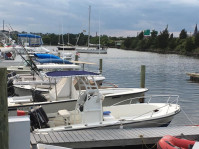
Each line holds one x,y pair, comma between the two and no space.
127,116
91,50
49,107
112,95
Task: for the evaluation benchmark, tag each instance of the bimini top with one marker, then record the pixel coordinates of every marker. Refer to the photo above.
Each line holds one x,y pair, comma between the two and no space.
70,73
29,35
55,61
44,56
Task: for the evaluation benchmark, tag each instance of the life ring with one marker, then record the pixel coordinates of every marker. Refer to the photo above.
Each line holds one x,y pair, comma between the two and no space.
170,142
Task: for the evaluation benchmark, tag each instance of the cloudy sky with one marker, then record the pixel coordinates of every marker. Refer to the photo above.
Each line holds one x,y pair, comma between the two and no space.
110,17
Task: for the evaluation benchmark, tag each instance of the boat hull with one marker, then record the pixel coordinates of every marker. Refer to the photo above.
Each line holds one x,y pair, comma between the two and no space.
49,107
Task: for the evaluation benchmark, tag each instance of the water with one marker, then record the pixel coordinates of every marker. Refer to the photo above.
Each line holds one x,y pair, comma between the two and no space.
165,74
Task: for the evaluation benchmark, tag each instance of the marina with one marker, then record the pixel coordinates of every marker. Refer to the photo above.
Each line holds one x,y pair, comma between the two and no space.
107,137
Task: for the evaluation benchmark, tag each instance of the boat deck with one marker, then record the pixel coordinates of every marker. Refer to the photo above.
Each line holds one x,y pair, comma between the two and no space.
112,137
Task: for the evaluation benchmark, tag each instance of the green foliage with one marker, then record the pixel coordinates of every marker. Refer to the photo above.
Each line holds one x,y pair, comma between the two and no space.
141,35
162,39
196,40
183,34
189,44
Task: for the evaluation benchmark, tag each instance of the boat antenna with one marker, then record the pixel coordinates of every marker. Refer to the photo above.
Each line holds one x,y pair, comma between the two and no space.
89,17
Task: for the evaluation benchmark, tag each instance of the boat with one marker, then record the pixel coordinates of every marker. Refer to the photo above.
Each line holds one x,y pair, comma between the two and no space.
65,47
57,93
90,114
32,43
45,60
171,142
90,48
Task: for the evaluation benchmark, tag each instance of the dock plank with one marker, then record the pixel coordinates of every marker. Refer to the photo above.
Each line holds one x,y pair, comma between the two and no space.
43,138
59,138
48,138
68,136
32,139
80,137
64,138
82,133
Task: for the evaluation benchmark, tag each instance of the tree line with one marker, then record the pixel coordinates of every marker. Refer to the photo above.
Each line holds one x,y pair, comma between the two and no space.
164,42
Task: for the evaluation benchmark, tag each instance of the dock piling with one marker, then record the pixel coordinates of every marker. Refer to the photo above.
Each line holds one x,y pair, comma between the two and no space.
142,80
100,65
3,109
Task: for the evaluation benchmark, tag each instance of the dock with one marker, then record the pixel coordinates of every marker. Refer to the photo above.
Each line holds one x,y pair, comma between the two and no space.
193,76
112,137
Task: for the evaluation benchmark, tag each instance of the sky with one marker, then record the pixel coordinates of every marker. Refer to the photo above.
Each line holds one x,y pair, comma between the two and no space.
120,18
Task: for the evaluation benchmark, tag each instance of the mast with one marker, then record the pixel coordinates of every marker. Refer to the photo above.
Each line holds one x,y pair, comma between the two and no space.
89,25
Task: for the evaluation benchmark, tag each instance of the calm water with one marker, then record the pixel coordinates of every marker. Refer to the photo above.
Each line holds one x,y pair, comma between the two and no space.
165,74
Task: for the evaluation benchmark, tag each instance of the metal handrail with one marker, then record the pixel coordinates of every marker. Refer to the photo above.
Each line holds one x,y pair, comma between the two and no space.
150,98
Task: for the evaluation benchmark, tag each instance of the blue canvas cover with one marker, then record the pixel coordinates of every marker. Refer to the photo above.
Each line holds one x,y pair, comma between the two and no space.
69,73
29,35
48,56
50,60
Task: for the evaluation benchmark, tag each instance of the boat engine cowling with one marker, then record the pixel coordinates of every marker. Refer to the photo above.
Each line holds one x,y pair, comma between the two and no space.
38,118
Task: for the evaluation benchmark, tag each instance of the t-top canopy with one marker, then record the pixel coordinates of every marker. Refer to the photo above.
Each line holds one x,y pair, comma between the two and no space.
69,73
29,35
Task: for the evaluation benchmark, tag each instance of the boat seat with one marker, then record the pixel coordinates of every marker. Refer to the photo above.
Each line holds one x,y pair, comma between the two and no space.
62,117
64,113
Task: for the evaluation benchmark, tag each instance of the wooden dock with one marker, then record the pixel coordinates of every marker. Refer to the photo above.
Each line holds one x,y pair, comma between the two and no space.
112,137
193,76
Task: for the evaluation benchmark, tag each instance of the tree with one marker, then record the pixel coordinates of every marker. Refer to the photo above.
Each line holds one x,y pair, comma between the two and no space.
162,39
127,42
189,44
141,35
183,34
197,40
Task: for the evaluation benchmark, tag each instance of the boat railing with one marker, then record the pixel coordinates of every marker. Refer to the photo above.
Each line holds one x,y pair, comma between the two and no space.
168,103
169,99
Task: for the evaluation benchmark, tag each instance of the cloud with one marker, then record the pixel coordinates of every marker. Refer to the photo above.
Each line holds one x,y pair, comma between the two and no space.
116,16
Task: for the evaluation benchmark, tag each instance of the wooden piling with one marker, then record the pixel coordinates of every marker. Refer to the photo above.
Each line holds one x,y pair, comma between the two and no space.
142,80
100,65
76,57
142,76
3,109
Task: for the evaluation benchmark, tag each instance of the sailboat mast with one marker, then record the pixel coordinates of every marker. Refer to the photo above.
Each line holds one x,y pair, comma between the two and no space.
89,26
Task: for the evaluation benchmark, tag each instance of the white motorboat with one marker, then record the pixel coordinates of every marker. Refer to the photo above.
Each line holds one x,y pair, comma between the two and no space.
92,50
59,97
90,114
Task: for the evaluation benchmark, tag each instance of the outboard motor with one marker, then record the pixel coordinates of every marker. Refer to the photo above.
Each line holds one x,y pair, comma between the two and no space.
37,96
38,118
10,89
